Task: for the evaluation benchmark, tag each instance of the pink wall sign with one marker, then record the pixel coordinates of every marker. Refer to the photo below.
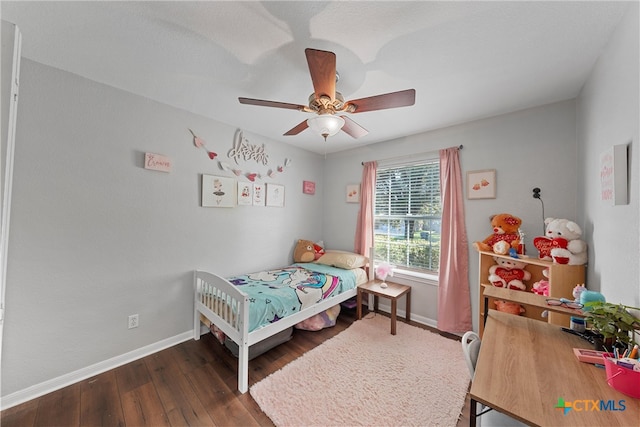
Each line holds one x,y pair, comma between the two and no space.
308,187
157,162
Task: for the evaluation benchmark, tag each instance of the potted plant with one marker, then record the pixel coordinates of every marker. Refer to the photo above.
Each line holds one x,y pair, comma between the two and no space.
614,323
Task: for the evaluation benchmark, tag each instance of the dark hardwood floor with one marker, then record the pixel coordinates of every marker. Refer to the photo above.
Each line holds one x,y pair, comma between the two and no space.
190,384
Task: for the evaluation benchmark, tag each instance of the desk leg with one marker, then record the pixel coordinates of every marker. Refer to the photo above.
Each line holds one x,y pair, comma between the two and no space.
408,307
486,310
472,413
359,304
375,303
394,307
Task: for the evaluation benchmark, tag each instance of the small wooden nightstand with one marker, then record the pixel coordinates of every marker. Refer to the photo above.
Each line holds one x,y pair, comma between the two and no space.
393,291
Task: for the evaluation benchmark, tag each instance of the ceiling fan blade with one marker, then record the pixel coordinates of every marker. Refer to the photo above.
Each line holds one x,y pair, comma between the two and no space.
352,128
322,67
402,98
263,103
297,129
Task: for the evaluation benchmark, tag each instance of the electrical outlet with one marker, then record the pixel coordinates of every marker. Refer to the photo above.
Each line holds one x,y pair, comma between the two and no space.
133,321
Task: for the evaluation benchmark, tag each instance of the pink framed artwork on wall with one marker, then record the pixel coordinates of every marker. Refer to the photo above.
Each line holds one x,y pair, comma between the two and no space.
308,187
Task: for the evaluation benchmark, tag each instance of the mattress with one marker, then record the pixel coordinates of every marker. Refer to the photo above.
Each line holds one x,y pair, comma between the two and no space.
275,294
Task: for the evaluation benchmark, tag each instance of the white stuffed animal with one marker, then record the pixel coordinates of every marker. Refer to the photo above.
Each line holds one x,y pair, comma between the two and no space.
575,251
509,273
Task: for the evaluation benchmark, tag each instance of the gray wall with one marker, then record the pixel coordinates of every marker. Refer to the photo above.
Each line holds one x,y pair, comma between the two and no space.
608,114
95,237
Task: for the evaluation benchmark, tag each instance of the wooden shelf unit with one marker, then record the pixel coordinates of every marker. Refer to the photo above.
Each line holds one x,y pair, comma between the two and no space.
562,279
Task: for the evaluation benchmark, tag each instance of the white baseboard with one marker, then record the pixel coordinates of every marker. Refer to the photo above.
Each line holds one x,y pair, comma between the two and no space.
414,318
54,384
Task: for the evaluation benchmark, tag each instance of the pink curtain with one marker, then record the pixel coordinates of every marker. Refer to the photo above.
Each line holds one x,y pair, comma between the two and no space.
364,226
454,299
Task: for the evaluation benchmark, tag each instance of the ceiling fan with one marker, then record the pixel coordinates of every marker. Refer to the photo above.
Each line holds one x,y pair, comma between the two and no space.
326,102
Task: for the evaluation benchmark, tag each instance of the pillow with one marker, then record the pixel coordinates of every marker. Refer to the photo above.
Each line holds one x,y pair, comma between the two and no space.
307,251
342,259
303,251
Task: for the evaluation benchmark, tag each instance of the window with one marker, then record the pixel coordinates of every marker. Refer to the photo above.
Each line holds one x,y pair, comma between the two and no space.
408,215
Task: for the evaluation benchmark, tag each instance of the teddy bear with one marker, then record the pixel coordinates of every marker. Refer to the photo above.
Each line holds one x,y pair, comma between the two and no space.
508,273
505,234
562,242
541,287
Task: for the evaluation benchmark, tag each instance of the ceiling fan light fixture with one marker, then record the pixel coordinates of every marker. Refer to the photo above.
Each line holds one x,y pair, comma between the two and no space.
326,124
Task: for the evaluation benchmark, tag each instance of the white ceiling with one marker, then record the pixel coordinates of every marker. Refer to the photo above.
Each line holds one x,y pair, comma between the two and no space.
466,60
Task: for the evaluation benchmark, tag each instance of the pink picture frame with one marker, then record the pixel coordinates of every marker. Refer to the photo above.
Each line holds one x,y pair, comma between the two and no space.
308,187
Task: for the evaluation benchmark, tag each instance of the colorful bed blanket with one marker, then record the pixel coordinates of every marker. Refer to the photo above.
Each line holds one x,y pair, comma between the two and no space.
276,294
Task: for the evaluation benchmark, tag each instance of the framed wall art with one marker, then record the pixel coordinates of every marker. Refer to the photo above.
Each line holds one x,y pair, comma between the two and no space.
259,193
308,187
275,195
245,193
353,193
218,191
481,184
613,175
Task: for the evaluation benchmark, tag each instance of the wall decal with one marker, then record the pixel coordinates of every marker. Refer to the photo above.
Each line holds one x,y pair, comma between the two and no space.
218,191
243,150
157,162
199,143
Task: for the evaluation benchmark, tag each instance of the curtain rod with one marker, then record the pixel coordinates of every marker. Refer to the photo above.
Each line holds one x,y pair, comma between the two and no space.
460,147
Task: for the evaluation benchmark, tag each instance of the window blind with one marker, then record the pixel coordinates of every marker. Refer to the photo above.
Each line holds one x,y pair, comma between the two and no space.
407,214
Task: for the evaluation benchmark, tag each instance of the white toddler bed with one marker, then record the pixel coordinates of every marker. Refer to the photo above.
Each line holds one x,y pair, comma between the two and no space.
230,304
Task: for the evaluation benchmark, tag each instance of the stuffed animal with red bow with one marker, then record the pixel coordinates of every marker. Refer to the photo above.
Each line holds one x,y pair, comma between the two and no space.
508,273
562,242
505,235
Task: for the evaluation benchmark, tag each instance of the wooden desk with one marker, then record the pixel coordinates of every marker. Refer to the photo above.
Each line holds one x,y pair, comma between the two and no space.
393,291
525,366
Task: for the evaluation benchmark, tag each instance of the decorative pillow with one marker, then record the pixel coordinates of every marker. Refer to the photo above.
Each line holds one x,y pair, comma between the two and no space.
326,319
318,247
304,251
307,251
342,259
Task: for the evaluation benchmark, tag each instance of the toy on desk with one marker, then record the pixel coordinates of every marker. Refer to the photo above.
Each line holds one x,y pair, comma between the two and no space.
505,235
577,291
508,273
589,298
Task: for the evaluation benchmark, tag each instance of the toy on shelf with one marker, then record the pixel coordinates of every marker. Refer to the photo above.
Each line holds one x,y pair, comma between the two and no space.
589,299
508,273
541,287
562,243
505,235
509,307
